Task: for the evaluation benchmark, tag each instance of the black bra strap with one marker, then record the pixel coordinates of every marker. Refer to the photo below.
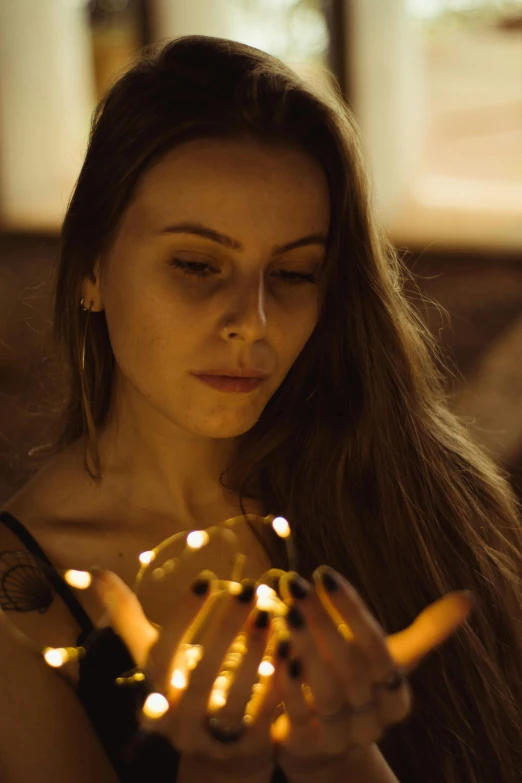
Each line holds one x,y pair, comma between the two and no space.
60,585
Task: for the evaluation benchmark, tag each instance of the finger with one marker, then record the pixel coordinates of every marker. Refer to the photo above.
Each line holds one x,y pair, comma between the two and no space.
225,627
266,704
166,655
345,659
430,628
125,613
328,695
247,673
289,683
334,590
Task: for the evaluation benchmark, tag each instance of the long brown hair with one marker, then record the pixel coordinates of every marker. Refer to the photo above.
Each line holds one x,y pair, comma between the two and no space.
375,473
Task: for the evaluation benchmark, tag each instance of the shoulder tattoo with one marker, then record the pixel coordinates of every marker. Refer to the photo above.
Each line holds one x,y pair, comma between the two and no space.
24,584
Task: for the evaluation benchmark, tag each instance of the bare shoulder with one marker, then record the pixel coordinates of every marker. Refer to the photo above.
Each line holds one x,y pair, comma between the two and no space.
53,494
45,733
29,601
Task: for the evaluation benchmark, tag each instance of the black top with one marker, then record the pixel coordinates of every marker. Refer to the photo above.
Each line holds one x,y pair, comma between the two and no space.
137,757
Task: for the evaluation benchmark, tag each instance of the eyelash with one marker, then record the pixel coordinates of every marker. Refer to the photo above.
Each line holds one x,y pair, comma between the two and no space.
188,268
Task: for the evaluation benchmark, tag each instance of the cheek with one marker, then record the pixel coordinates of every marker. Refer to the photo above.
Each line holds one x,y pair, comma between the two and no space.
149,340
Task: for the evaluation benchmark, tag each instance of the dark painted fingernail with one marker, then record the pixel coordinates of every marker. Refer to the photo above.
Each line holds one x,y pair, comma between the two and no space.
248,590
262,618
295,617
330,583
283,648
200,586
294,668
298,587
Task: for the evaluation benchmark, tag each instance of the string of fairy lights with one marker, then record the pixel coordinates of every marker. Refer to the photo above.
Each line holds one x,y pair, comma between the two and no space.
155,564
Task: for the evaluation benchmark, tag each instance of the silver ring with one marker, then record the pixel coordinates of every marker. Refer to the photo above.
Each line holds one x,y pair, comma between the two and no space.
394,680
224,734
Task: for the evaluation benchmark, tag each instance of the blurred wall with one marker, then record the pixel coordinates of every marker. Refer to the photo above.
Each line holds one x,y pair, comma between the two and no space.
45,53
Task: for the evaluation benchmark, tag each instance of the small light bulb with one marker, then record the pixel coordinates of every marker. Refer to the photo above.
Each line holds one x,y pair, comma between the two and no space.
234,588
281,527
197,539
147,557
178,680
265,590
266,598
155,705
265,668
217,699
56,657
79,579
193,655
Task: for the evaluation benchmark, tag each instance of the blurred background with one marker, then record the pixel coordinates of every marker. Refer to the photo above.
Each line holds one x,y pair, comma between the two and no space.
436,86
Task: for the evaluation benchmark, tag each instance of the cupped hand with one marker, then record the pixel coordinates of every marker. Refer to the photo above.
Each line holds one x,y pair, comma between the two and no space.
161,653
341,659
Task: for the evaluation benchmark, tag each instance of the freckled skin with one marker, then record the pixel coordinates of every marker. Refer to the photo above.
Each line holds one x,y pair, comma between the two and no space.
175,434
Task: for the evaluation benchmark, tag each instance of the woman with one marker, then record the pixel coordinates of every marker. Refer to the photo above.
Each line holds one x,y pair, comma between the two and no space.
205,159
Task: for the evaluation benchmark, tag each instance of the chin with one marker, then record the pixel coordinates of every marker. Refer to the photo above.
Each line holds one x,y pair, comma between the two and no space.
226,427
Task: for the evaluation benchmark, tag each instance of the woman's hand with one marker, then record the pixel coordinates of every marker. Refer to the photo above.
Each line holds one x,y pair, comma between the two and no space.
342,654
162,652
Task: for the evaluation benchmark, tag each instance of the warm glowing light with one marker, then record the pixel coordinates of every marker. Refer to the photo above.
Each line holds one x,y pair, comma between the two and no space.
264,591
147,557
139,676
79,579
267,598
197,539
222,682
234,588
193,655
281,527
217,699
56,657
178,680
233,660
266,668
155,705
239,641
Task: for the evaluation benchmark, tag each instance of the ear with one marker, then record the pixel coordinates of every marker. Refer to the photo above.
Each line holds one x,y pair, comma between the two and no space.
91,288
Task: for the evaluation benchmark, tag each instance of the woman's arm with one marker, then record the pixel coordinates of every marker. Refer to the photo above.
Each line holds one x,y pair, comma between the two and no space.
45,733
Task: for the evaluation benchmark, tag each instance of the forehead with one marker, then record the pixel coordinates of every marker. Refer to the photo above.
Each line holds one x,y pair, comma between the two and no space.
234,182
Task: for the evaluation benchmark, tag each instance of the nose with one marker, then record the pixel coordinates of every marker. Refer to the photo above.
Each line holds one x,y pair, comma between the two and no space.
247,313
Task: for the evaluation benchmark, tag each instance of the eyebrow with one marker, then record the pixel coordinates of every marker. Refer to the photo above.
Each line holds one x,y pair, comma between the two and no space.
234,244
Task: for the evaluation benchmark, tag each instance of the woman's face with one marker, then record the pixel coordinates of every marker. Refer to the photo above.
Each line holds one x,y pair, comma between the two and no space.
165,325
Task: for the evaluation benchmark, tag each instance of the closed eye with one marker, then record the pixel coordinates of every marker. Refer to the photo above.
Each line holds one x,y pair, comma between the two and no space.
202,270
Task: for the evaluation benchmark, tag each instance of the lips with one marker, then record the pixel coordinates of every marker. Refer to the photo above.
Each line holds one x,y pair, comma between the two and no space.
230,384
224,373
